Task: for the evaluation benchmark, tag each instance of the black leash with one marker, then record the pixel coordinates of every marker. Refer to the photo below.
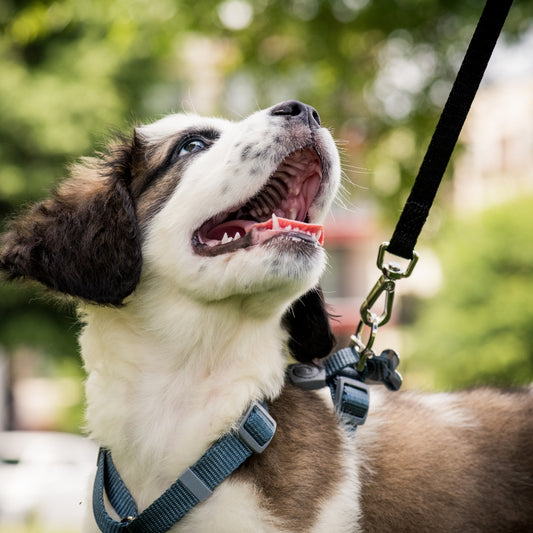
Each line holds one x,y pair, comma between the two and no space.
448,128
430,173
346,371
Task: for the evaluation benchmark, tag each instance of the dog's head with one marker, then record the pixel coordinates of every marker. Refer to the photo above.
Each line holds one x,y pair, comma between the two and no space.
204,207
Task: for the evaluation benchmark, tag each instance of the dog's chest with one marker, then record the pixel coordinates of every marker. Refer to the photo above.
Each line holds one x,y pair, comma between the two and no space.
160,422
304,481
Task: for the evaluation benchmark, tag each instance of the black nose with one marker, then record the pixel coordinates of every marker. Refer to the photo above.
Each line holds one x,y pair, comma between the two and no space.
293,108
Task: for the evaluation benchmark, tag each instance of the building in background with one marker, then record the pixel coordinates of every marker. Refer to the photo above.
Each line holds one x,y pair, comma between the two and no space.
496,163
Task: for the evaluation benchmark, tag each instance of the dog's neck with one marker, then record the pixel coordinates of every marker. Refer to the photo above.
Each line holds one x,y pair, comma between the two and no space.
179,381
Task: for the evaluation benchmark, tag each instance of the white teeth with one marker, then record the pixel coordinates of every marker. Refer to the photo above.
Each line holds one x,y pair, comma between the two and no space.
293,213
227,238
275,222
289,227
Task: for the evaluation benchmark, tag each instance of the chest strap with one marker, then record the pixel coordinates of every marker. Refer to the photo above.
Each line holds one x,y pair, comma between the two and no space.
253,435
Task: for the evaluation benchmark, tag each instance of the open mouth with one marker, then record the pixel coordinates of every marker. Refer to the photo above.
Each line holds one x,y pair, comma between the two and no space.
279,210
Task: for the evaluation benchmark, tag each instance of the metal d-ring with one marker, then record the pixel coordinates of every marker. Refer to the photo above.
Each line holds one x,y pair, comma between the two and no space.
364,349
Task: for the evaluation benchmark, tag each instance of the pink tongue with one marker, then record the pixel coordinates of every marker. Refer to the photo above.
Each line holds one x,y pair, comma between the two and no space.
231,228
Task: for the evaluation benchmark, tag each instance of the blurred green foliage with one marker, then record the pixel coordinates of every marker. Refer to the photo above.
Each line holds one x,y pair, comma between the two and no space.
479,328
378,71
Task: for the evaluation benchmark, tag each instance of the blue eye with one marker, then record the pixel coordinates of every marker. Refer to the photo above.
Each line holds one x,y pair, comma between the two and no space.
191,146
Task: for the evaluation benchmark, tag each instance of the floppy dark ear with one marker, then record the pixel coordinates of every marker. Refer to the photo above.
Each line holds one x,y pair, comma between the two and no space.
84,241
307,321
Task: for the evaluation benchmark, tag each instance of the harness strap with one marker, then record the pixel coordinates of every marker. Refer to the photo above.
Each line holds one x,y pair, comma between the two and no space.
253,435
448,128
350,394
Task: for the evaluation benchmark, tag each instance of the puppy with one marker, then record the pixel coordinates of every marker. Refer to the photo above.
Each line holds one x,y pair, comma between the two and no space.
193,251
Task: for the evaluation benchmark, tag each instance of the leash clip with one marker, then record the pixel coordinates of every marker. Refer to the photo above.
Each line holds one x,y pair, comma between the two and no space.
385,286
363,349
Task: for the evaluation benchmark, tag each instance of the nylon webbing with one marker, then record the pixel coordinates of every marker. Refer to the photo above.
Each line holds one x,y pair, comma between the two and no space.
448,128
220,460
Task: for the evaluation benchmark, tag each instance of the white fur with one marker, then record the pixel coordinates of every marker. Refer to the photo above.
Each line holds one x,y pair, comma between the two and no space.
200,337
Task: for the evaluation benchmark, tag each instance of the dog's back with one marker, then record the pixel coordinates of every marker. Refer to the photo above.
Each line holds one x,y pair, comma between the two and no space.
421,463
448,462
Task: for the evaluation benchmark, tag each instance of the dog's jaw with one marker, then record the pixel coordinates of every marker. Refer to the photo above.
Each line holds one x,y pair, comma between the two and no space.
278,210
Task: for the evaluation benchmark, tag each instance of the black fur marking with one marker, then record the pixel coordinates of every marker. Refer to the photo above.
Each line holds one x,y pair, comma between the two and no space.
171,158
307,321
245,154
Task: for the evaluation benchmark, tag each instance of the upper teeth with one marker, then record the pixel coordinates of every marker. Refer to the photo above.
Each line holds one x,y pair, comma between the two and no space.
276,226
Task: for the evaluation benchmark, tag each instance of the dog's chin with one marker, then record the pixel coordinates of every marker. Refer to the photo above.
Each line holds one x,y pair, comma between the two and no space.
276,273
294,246
262,278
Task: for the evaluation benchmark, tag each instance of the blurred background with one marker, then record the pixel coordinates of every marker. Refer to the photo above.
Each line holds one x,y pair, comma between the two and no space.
74,72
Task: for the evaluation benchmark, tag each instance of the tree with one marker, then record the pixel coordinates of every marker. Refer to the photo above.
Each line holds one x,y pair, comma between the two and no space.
376,70
479,328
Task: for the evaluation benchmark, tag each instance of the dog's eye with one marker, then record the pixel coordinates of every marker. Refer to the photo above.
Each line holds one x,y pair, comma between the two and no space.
191,146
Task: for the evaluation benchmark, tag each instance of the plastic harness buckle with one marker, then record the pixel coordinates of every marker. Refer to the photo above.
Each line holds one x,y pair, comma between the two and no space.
256,428
350,395
352,399
307,377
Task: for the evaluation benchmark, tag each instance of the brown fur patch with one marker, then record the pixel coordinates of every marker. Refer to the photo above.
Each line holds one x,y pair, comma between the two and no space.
427,473
84,241
155,174
147,161
302,465
155,197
